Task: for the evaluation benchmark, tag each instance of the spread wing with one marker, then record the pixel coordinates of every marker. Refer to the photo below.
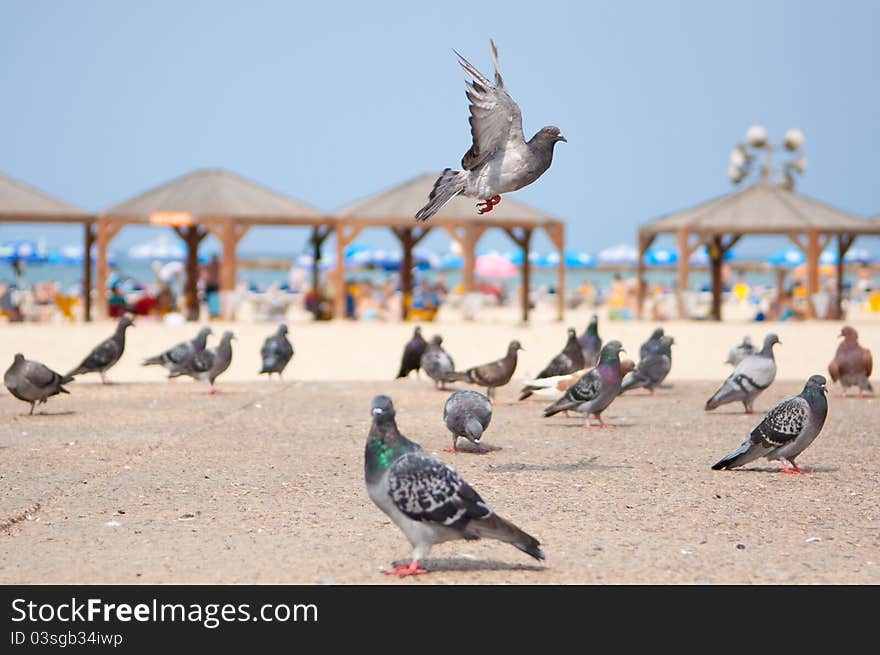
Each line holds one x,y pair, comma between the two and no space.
425,489
495,118
782,424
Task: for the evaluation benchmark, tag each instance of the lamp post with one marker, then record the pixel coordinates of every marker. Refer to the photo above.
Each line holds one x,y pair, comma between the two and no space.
744,155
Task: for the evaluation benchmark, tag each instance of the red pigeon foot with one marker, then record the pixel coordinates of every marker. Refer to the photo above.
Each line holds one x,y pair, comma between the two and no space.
488,205
404,570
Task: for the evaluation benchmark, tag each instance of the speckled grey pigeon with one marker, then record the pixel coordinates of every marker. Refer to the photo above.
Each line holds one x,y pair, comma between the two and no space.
32,381
500,160
437,363
740,352
852,364
412,354
209,363
491,375
652,368
785,431
175,358
571,359
424,497
652,344
467,414
276,352
596,389
750,377
106,353
591,342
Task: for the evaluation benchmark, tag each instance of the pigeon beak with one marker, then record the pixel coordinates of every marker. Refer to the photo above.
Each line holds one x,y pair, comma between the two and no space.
377,411
561,138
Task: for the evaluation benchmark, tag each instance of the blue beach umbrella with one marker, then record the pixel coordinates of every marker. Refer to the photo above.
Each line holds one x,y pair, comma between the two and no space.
22,250
660,257
787,258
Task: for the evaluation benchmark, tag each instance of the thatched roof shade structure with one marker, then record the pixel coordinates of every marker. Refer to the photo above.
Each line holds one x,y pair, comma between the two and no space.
395,208
210,201
21,203
760,209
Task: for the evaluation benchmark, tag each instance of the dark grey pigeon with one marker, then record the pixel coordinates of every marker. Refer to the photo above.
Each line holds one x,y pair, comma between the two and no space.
750,377
491,375
852,364
207,364
424,497
785,431
591,342
106,353
652,344
652,368
176,358
32,381
571,359
437,363
412,354
596,389
276,352
740,351
467,414
500,160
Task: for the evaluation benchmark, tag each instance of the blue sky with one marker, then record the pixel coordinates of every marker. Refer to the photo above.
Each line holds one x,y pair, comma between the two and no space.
329,102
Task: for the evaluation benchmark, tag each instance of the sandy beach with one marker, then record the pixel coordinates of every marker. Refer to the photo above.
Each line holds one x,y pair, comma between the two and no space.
148,481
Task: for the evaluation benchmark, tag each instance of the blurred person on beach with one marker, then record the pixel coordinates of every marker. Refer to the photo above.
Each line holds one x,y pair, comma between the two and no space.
9,302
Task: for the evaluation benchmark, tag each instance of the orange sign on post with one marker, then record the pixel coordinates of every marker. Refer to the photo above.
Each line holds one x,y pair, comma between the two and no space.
171,219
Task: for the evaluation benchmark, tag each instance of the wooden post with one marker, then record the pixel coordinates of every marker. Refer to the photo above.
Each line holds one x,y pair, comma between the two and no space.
105,229
319,234
715,258
192,236
88,239
523,238
408,238
345,234
683,238
556,232
844,242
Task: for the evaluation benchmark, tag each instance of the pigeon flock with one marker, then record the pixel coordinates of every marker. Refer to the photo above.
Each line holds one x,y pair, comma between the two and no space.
427,500
33,382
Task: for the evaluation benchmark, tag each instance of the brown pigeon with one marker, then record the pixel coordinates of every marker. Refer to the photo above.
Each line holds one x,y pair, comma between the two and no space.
852,364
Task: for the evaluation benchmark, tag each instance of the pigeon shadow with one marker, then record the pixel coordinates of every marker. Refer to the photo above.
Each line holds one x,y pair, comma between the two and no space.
475,450
580,465
66,412
463,564
777,469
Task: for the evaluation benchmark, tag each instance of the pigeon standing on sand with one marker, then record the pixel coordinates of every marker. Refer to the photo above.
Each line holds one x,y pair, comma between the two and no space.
424,497
740,352
412,354
591,342
175,359
500,160
785,431
852,364
571,359
207,364
467,414
750,377
652,344
653,367
106,353
276,352
596,390
491,375
33,382
437,363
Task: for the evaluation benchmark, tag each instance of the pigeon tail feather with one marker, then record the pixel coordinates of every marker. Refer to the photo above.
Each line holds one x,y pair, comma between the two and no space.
495,527
448,185
740,456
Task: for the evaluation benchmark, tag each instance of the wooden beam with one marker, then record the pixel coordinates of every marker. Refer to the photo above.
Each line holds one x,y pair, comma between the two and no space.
105,229
319,235
813,252
192,236
684,253
88,239
345,234
716,257
408,238
844,242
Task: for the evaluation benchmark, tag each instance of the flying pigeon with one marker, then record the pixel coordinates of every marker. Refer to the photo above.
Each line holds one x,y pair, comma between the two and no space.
652,344
33,382
276,352
175,358
106,353
412,354
500,160
467,414
591,343
424,497
571,359
207,364
436,362
785,431
852,364
596,389
653,367
740,352
491,375
750,377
